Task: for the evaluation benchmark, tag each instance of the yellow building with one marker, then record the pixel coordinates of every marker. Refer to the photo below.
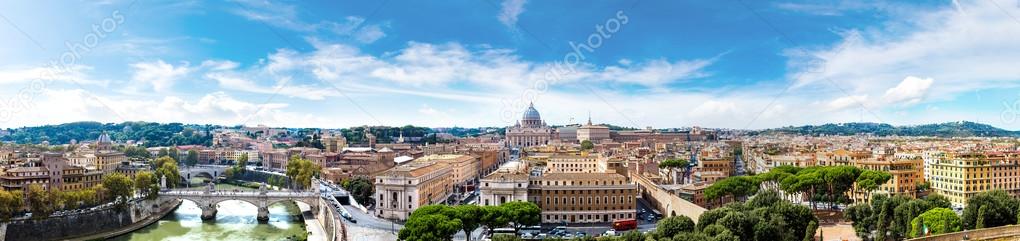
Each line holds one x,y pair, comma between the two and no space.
464,167
906,173
961,176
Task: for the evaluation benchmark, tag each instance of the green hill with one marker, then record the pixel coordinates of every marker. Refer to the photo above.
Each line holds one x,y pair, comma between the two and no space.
948,129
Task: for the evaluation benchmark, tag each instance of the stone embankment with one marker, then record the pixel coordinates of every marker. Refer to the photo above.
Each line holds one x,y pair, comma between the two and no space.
89,225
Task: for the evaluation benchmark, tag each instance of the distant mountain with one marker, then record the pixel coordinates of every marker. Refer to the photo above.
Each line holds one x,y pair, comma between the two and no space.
948,129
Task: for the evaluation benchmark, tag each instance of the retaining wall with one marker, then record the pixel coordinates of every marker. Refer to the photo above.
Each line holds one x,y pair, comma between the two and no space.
1011,232
108,220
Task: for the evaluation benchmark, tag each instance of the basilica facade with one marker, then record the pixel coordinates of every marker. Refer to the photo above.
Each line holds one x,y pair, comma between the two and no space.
529,131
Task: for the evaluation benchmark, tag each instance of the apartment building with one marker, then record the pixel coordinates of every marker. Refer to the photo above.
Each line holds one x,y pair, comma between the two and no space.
464,167
906,173
959,176
402,189
18,178
583,197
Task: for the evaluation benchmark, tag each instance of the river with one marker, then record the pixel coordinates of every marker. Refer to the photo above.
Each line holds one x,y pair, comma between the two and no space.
235,220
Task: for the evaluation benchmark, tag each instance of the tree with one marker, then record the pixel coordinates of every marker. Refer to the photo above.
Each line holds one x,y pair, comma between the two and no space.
738,187
690,236
430,223
494,217
1000,209
838,180
470,217
672,226
871,179
167,167
587,145
935,221
10,203
229,173
890,217
302,171
505,237
162,153
242,162
119,187
522,214
671,165
192,158
173,153
632,236
806,180
764,217
41,202
809,234
361,189
137,153
146,184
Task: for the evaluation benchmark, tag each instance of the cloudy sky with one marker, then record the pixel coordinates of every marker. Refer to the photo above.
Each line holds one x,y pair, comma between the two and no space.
731,64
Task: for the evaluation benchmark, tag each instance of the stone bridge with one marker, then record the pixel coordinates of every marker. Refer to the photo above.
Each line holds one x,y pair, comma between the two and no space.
208,199
211,171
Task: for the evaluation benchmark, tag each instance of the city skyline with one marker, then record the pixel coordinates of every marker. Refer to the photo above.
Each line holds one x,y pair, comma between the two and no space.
741,65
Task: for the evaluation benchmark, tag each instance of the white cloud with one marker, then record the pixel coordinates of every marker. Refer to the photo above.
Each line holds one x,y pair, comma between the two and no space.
355,27
424,64
713,108
275,14
657,72
236,81
288,17
970,49
847,102
62,106
71,74
832,8
912,90
160,75
427,110
220,64
509,12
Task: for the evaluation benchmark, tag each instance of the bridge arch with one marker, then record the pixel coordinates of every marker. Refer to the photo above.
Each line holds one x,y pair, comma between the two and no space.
220,200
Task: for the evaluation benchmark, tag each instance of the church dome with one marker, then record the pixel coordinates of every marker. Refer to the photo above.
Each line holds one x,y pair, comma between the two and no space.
104,138
531,113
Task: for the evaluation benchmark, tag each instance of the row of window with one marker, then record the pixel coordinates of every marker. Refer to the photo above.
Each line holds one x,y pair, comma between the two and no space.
585,217
578,183
575,200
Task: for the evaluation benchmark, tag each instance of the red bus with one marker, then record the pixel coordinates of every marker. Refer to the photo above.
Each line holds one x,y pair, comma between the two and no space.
624,224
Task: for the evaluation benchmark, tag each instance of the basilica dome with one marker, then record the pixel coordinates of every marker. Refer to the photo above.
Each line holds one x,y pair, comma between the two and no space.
531,114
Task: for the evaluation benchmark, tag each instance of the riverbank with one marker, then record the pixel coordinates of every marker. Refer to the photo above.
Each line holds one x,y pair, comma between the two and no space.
152,219
91,224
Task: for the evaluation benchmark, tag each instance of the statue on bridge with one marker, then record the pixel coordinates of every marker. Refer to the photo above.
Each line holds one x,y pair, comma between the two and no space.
162,183
211,188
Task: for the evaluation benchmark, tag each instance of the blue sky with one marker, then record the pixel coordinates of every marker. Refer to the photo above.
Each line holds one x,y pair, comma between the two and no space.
731,64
